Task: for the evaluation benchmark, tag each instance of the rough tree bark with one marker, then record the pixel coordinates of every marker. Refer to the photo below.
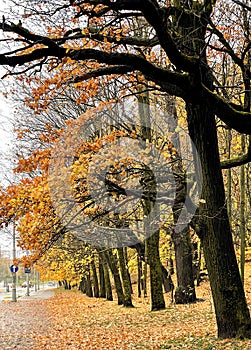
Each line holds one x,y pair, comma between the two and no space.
95,279
125,279
127,268
108,287
101,274
112,263
89,290
140,275
231,309
185,291
153,259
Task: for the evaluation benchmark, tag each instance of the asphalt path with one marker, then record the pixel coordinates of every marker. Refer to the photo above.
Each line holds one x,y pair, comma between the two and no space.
24,323
21,293
4,295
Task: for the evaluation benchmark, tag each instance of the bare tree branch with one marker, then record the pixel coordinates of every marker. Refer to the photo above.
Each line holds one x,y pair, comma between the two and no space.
245,6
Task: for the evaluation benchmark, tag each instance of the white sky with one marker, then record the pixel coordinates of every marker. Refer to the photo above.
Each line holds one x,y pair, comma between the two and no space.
5,127
5,118
5,148
6,136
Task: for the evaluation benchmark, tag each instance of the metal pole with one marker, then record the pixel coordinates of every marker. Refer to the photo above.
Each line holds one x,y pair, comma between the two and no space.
14,276
35,278
38,281
28,284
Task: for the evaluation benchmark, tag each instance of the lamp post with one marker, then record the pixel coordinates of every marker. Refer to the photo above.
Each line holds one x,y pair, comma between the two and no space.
27,270
28,283
14,276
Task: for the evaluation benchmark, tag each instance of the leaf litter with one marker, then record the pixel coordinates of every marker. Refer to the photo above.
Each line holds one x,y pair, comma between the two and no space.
71,320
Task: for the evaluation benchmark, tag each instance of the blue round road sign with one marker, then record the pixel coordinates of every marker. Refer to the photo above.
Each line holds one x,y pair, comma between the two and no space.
13,268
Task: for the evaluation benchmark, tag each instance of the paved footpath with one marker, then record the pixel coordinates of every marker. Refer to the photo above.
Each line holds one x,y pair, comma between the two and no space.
23,321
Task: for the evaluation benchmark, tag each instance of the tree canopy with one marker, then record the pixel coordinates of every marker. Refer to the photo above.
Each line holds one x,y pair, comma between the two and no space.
103,35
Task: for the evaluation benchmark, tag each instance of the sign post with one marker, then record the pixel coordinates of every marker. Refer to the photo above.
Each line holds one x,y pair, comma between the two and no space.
27,270
13,268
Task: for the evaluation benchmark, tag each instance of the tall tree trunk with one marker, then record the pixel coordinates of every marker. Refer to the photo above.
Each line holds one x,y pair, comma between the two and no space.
101,276
140,275
125,279
198,263
153,259
152,243
166,276
108,287
112,263
247,105
229,178
89,291
144,279
242,214
95,279
231,309
82,285
127,269
185,291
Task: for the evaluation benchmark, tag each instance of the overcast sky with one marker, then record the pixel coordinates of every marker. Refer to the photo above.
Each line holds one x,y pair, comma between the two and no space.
6,136
6,126
5,117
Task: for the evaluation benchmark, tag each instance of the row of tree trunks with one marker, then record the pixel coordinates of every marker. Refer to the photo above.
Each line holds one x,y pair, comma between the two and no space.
108,261
185,292
160,278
